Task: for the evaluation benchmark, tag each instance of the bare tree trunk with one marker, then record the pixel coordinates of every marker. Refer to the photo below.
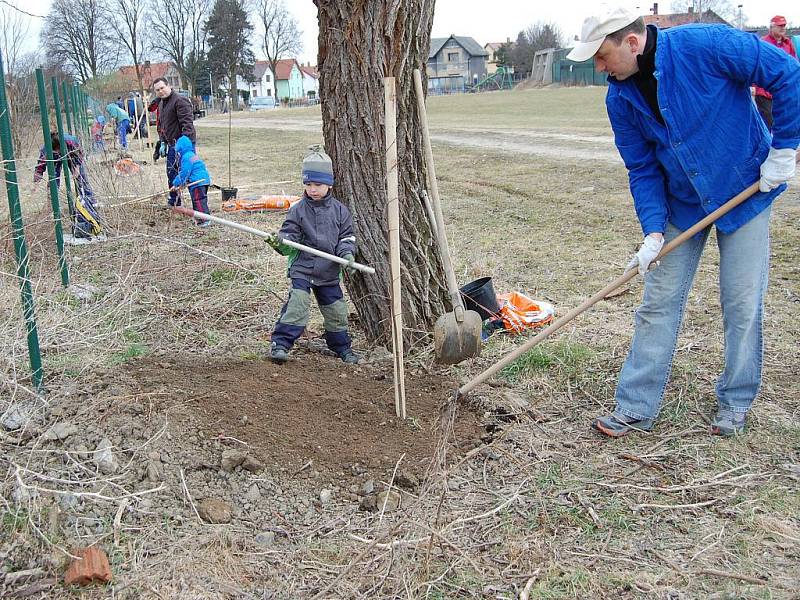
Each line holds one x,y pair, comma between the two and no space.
359,44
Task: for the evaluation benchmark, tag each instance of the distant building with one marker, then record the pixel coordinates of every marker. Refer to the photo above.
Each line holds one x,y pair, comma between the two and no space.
454,63
491,48
675,19
263,82
310,81
148,72
288,79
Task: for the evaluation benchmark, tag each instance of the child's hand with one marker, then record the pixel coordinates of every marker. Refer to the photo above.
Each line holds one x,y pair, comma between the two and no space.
273,241
349,266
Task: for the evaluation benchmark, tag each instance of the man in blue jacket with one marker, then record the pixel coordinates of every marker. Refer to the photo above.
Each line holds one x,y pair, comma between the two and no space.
690,136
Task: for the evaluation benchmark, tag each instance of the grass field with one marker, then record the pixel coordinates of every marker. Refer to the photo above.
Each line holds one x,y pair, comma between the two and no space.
541,503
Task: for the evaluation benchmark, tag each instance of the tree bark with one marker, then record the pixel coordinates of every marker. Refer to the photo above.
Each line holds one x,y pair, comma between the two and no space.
360,42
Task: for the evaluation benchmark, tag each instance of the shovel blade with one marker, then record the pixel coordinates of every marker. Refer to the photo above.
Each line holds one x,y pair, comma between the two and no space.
454,341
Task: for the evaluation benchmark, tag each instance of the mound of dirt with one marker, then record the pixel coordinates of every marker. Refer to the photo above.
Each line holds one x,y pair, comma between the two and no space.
312,408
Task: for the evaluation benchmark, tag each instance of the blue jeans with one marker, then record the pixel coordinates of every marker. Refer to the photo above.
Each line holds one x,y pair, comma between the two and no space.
743,271
122,130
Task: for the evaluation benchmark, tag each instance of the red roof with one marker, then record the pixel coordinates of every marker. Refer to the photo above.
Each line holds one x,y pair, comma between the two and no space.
283,68
311,71
673,20
148,72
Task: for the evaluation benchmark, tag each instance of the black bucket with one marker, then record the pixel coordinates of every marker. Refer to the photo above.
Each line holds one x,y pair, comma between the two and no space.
479,296
229,193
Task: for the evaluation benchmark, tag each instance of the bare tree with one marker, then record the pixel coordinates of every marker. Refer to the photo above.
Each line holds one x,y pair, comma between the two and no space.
127,19
281,35
14,28
700,8
178,33
539,36
75,35
359,44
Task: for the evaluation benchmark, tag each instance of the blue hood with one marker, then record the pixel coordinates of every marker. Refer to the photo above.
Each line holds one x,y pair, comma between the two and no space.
183,145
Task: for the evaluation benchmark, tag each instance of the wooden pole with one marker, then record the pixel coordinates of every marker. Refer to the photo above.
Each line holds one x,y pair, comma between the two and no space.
393,210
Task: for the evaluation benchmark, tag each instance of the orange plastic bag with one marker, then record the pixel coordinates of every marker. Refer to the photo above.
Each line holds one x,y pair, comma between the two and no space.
126,167
519,312
275,202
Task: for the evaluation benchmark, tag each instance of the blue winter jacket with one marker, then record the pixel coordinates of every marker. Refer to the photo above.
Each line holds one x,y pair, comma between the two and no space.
713,141
193,170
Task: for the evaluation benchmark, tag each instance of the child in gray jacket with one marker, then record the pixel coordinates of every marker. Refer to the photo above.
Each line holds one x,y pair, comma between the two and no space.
318,220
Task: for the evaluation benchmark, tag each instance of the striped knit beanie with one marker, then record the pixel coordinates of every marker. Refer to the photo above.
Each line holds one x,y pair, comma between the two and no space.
317,166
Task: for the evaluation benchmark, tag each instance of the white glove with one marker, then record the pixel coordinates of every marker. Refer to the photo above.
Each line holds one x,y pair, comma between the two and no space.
777,169
647,253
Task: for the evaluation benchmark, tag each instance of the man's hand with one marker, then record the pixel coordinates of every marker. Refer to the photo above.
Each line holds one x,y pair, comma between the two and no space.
273,241
777,169
349,266
162,149
647,253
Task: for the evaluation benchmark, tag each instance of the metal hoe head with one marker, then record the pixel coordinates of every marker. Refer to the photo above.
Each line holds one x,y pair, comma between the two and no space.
455,341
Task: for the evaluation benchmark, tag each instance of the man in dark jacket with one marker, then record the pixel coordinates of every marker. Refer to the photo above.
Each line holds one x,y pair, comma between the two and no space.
318,220
175,115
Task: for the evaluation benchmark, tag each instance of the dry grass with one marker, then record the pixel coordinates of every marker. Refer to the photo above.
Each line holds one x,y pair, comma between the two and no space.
547,506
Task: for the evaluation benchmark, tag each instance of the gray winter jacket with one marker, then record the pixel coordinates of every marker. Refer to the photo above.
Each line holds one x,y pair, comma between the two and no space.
325,225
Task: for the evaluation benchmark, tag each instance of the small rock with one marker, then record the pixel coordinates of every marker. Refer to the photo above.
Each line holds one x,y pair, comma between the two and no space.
388,501
16,417
453,485
232,459
368,503
154,471
104,458
325,496
252,464
253,494
379,354
367,487
214,510
83,452
84,292
60,431
406,479
265,538
243,419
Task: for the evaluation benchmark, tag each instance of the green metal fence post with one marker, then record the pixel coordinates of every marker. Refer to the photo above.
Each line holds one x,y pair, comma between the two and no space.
51,176
67,107
64,159
20,247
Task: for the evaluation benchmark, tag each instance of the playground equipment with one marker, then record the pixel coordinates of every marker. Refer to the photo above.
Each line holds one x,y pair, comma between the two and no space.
502,79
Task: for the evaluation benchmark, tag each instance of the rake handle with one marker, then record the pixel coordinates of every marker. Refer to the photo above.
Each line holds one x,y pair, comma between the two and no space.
622,279
263,234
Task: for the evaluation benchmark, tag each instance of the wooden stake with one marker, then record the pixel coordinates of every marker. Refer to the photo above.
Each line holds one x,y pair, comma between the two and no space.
393,210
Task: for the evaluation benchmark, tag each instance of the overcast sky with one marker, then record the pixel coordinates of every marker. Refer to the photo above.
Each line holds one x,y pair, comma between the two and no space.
488,21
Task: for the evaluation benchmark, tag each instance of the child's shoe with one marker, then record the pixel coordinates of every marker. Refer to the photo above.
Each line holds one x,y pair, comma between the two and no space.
278,354
350,357
728,423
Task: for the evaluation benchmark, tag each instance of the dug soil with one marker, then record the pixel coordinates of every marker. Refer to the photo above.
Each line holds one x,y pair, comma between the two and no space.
314,408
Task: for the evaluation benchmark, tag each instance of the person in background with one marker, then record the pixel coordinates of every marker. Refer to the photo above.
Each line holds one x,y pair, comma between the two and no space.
691,139
175,119
123,123
776,37
193,173
86,220
98,143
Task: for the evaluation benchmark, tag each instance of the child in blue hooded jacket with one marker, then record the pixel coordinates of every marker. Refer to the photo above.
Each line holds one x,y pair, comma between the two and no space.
193,173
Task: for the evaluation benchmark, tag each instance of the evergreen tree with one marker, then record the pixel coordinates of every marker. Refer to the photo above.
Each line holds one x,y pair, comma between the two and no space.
229,52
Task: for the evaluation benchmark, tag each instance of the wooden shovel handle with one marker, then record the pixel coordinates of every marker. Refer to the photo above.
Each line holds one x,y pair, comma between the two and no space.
622,279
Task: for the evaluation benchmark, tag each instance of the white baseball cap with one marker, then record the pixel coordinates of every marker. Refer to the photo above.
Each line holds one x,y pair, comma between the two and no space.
596,28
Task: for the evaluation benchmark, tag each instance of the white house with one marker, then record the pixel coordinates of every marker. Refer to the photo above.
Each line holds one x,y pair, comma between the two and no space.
263,83
310,81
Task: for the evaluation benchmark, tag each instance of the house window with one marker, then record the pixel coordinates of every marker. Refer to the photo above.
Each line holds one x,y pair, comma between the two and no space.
267,77
452,57
269,92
